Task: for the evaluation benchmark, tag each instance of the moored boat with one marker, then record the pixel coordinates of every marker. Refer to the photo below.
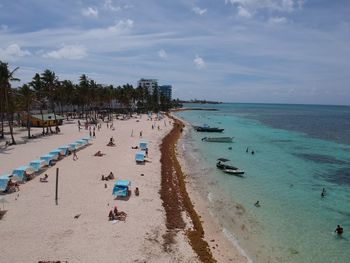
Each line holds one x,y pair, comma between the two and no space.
217,139
207,128
237,172
226,168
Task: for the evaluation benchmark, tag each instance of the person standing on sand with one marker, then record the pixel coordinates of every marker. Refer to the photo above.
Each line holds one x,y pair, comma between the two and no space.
75,156
141,134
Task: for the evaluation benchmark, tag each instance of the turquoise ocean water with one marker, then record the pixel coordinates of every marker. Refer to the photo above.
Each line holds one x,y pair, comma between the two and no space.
299,150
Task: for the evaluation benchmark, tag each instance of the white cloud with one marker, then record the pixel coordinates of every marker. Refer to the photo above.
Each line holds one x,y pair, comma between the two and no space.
277,20
67,52
122,25
90,12
199,62
242,12
109,5
12,52
199,11
250,7
162,53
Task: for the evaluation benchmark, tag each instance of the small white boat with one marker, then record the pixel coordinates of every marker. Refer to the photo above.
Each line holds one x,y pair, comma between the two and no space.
234,172
217,139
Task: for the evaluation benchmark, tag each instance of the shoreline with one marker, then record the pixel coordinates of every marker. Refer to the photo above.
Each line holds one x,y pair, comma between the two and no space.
173,184
221,248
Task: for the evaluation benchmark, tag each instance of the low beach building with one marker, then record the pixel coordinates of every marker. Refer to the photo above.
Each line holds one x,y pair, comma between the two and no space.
45,120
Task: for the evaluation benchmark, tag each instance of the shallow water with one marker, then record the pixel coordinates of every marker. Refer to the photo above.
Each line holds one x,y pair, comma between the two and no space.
291,165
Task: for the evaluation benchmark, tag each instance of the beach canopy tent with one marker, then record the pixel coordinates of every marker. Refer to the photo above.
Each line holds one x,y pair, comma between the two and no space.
121,188
37,164
143,145
74,145
140,157
20,172
87,139
3,181
57,152
81,142
65,149
47,158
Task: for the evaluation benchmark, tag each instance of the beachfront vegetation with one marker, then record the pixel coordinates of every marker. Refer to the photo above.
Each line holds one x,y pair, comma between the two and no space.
46,93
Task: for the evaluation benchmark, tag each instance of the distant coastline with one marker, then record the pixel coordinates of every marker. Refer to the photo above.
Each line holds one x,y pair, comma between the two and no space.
200,101
183,109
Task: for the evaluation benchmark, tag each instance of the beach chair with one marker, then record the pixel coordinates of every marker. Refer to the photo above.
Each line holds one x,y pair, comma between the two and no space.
140,157
23,173
121,188
37,164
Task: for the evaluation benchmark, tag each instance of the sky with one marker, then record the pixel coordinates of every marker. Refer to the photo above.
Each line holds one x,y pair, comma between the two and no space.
266,51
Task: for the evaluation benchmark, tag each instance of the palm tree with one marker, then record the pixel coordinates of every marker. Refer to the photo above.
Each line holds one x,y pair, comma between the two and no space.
6,76
50,82
40,96
26,99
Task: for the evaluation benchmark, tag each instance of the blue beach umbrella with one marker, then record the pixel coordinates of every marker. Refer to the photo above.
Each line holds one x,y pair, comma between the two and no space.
87,139
140,157
143,145
81,142
3,181
47,158
74,145
20,172
121,188
57,152
37,164
65,149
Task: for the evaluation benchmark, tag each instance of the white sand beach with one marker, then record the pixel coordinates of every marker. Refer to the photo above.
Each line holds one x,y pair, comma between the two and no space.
77,229
35,228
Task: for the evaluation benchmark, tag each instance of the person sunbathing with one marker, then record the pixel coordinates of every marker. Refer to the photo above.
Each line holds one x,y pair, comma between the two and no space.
134,147
110,176
104,178
111,143
121,216
99,153
111,216
44,179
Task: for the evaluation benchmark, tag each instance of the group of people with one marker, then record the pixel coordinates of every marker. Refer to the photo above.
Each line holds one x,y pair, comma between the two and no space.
12,186
116,215
108,177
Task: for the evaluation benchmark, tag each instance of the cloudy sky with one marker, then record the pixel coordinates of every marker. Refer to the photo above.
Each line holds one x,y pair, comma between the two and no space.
281,51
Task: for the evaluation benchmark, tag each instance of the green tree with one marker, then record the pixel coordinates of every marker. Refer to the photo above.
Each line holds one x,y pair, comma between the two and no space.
26,99
6,77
